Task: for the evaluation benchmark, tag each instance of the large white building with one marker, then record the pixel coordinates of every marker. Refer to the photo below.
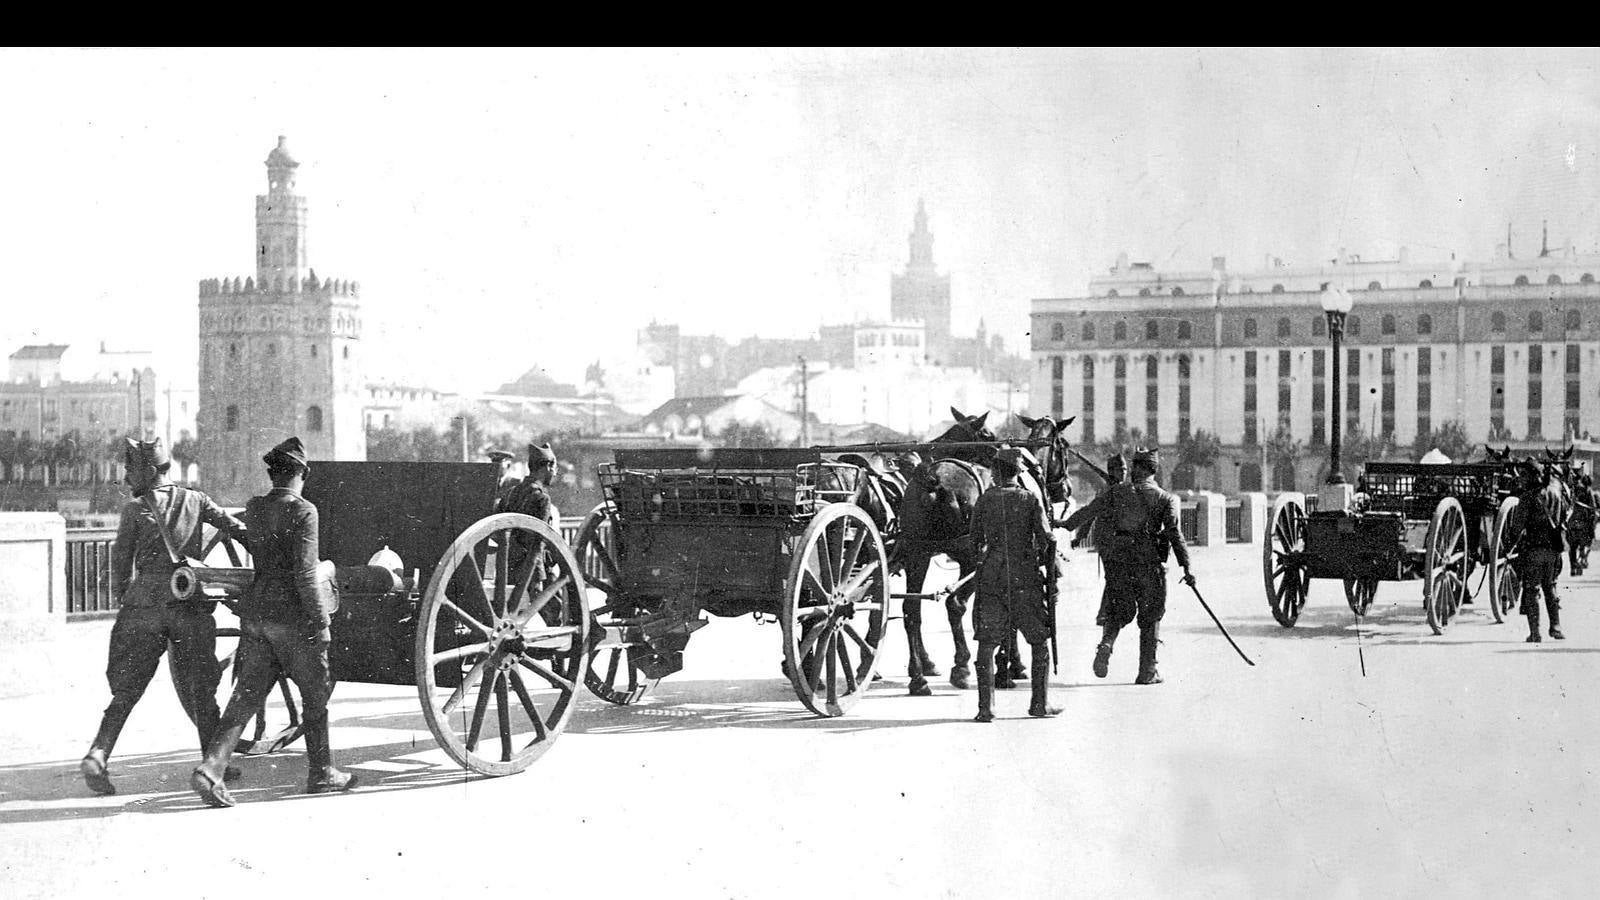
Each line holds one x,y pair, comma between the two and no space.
1509,348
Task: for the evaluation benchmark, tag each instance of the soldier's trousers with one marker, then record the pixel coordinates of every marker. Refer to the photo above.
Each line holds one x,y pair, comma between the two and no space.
1133,592
267,650
1539,569
138,639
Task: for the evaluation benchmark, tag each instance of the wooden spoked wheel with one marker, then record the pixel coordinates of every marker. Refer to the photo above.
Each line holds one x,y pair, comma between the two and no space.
1446,577
1358,592
1283,564
835,609
504,614
1505,585
612,675
267,731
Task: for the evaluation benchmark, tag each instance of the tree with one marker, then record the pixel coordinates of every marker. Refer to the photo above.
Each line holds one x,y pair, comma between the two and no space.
1282,450
430,446
8,454
186,453
1450,439
389,445
1361,447
754,434
1198,451
452,438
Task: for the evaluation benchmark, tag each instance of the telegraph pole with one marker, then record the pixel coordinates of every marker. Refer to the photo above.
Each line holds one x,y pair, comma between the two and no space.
805,405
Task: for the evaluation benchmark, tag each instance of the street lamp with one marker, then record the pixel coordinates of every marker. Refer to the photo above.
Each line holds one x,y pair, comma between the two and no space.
1336,303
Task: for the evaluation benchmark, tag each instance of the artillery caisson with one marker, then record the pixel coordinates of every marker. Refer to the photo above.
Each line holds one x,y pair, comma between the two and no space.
1434,523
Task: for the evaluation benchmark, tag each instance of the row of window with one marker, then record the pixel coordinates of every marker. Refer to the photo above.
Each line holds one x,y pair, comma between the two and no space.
272,350
1522,281
1387,325
239,321
230,418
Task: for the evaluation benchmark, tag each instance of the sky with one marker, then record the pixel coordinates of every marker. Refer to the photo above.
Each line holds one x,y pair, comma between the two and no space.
510,209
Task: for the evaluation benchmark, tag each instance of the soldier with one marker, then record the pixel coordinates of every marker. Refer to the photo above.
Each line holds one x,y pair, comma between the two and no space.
1543,544
1141,525
1013,542
284,619
505,482
532,495
1089,517
149,618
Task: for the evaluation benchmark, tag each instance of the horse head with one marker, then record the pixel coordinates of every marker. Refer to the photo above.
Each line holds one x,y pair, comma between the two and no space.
967,429
1053,456
1555,497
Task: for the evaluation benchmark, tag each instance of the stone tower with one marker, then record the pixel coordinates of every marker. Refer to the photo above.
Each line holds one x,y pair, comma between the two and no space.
280,353
922,294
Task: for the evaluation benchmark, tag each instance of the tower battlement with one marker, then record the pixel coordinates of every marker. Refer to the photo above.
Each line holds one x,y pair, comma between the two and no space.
310,285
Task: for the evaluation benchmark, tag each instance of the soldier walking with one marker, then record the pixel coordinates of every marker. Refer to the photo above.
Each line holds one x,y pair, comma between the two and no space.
284,620
1543,543
1014,542
160,527
1089,521
1138,524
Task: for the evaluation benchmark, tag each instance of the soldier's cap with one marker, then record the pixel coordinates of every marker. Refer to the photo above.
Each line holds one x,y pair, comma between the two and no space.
538,453
290,452
138,454
498,455
1148,455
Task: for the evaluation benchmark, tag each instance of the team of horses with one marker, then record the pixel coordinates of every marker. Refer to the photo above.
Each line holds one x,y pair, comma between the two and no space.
1565,496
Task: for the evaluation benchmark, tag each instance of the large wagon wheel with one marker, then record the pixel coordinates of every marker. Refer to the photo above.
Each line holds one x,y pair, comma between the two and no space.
1283,564
263,737
1505,585
1358,592
835,609
599,555
1446,578
521,626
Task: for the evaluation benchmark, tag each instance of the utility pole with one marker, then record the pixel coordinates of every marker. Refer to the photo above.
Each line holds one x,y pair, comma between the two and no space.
138,406
465,457
805,405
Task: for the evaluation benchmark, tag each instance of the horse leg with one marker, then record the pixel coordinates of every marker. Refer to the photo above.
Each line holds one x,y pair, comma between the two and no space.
956,608
917,663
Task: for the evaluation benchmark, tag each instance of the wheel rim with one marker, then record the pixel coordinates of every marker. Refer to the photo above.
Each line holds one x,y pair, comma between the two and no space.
504,623
612,674
1505,585
835,609
1447,564
1282,562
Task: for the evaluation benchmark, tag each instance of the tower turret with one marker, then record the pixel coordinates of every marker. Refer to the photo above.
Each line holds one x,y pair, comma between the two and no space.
280,223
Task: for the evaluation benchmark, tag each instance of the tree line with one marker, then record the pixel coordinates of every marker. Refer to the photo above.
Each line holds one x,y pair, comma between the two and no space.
73,459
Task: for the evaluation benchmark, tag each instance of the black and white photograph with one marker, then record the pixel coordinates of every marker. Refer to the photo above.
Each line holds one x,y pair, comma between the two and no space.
799,472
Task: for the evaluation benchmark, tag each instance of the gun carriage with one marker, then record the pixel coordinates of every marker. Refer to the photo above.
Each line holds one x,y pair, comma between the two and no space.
1434,523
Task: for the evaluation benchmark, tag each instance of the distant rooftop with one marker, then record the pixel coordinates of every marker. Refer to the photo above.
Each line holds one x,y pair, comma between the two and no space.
40,351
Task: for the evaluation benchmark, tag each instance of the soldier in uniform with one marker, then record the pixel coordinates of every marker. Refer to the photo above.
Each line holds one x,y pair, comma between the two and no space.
505,482
284,619
1090,517
532,496
149,619
1543,544
1140,525
1014,542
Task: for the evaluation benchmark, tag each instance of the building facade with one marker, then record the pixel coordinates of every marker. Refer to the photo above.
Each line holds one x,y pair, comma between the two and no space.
1509,349
280,353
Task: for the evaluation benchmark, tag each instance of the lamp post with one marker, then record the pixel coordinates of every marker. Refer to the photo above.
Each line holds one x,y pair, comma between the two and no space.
1336,303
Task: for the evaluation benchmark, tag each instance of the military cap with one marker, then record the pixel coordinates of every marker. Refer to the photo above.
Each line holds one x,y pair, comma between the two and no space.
541,453
1148,455
290,451
497,455
138,454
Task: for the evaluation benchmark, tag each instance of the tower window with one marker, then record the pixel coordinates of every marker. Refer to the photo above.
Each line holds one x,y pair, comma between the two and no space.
233,351
231,418
313,418
313,350
347,353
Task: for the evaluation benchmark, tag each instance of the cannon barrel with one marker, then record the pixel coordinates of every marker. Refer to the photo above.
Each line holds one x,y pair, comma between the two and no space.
228,583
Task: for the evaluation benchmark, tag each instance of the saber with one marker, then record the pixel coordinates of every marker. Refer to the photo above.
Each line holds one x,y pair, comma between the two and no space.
1218,622
1102,473
940,593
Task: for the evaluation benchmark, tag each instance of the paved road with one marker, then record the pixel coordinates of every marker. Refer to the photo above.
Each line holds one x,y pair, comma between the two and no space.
1460,764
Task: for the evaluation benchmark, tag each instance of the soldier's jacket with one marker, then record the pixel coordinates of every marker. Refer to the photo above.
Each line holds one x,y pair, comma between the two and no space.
288,588
1013,540
140,552
503,491
1090,516
1141,522
1529,521
529,498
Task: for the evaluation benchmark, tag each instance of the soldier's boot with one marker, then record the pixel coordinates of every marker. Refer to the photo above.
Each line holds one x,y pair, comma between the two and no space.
1555,624
1533,628
1102,653
95,774
1040,708
321,776
985,685
1149,637
94,765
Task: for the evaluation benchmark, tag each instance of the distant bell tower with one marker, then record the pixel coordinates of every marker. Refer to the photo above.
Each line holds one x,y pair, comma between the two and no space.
921,294
280,353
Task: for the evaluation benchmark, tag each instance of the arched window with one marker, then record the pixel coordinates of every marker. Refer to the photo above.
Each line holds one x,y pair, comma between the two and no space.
1277,289
1250,328
1283,327
1425,283
1574,320
1088,331
1185,330
1151,367
231,418
1497,322
1374,286
1058,332
1521,280
1152,330
1183,367
1319,326
1553,279
1424,324
1177,292
1587,278
1386,324
1144,292
1088,368
1119,331
1112,293
313,418
1352,326
1536,321
1119,367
